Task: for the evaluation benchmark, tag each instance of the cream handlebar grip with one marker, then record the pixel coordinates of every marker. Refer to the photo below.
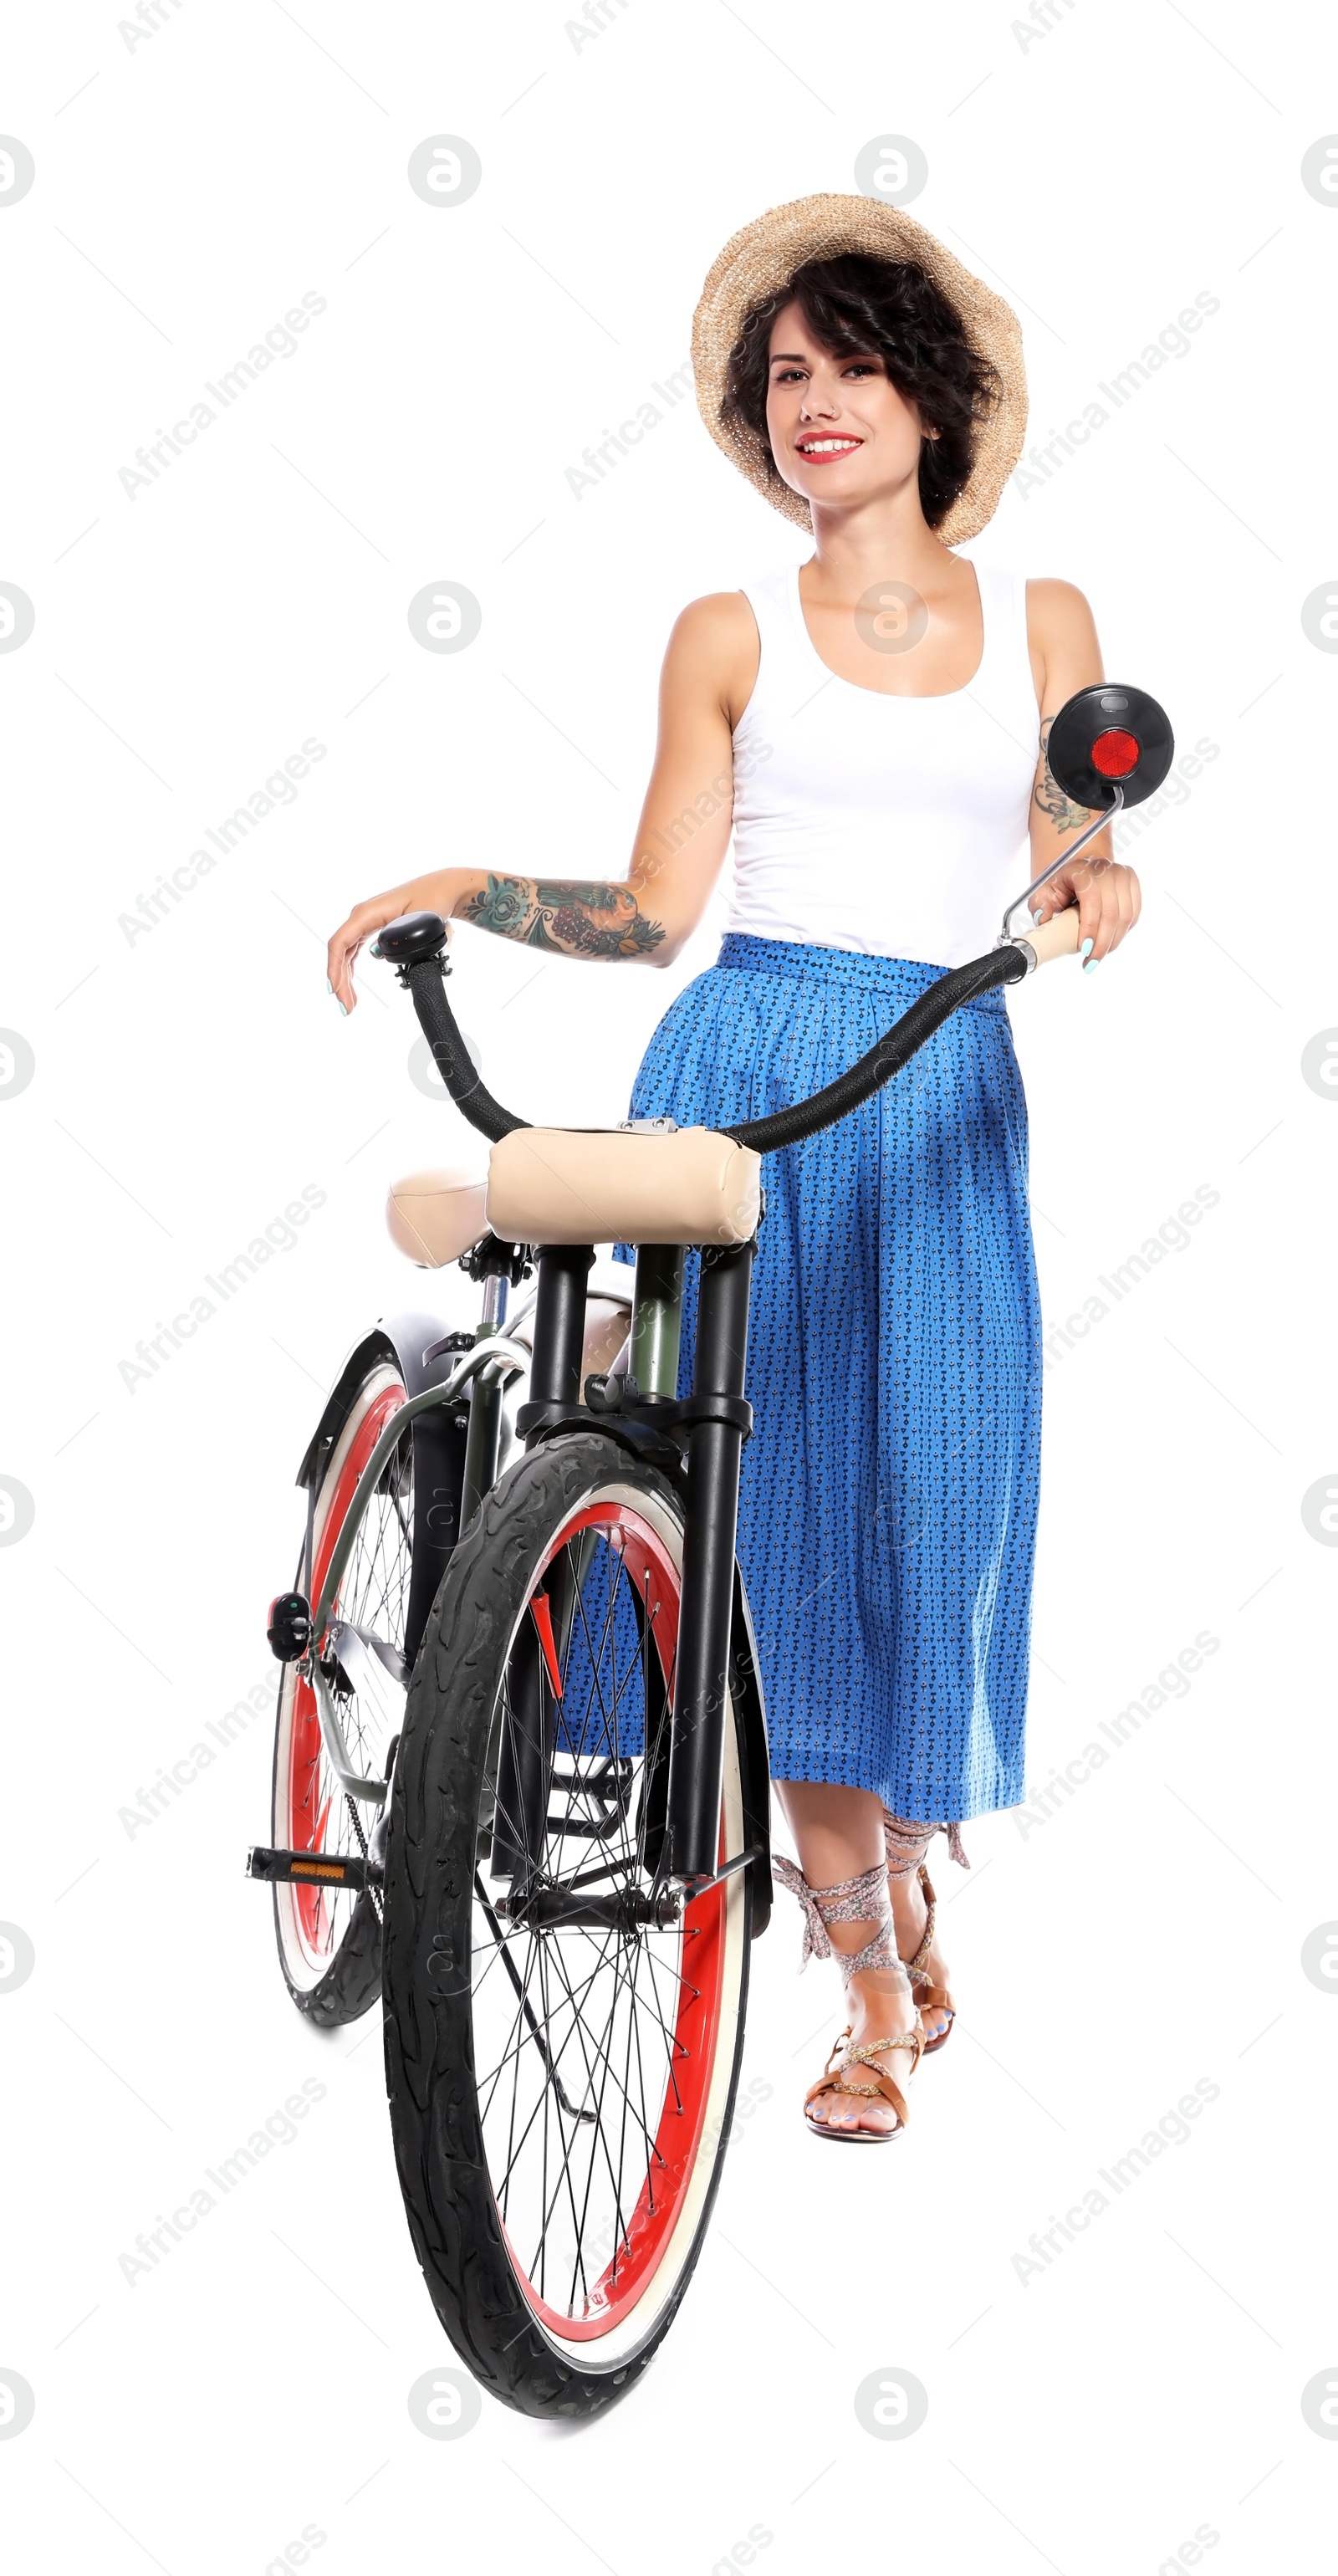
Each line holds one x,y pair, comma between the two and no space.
1055,938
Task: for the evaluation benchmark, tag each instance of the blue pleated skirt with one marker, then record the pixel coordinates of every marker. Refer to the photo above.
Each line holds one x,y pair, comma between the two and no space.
887,1514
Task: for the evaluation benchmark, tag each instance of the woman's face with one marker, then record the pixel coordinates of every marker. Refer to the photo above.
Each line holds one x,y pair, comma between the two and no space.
840,431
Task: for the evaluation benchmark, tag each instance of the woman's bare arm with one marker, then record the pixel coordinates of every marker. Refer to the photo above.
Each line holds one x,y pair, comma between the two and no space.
681,839
1066,657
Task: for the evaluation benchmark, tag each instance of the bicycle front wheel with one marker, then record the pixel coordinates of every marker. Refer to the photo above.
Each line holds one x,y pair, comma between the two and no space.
561,2069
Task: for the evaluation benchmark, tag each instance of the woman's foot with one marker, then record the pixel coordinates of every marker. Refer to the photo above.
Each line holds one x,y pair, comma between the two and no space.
910,1915
880,2007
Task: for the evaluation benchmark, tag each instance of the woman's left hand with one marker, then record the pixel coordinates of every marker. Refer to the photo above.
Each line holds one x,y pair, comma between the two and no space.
1108,898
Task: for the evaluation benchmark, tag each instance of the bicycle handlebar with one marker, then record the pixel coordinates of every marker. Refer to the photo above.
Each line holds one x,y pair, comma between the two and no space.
424,978
415,945
894,1049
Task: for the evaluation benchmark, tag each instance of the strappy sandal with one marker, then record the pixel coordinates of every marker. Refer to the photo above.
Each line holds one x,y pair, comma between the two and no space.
854,1900
881,2089
929,1996
905,1843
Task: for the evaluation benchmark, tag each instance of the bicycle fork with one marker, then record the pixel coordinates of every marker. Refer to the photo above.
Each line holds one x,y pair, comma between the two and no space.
716,1418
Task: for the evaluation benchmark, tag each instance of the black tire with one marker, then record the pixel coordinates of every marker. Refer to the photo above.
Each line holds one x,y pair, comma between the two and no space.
441,2020
330,1944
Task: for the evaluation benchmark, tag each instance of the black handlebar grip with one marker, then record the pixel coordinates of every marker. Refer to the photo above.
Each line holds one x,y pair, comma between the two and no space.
414,936
438,1024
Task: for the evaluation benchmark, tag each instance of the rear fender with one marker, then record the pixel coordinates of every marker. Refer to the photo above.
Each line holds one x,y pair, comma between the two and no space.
399,1342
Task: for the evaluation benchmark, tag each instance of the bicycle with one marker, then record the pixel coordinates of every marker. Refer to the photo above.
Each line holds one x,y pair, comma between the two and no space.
570,1853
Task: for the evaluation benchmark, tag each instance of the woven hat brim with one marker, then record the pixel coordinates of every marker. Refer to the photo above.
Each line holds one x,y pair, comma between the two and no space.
764,256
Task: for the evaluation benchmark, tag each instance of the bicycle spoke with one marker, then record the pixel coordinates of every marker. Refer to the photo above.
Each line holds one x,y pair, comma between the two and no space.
579,2026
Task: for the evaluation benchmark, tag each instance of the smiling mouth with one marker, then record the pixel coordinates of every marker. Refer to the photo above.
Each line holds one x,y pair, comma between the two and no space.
824,447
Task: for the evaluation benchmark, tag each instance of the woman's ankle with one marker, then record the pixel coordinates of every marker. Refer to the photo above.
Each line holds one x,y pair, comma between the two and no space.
878,1995
910,1911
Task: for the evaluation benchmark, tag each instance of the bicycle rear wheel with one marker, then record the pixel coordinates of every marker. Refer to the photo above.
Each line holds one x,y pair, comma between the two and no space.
330,1939
560,2091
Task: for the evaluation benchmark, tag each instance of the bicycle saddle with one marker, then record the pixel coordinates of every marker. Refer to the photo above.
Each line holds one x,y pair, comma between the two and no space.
435,1216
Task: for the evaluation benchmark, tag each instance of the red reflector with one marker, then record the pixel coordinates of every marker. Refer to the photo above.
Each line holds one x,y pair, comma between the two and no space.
543,1620
1115,753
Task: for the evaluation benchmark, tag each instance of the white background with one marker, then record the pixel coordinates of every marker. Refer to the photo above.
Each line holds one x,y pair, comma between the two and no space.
189,190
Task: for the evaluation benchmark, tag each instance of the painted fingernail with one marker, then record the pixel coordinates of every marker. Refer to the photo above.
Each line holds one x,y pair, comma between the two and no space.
328,985
1086,948
1089,969
342,1010
1036,919
375,949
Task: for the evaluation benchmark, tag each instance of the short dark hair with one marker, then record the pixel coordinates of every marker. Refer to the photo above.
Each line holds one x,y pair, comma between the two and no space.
857,305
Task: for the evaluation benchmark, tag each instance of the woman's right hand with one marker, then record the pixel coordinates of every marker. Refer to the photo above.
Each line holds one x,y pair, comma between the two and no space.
424,894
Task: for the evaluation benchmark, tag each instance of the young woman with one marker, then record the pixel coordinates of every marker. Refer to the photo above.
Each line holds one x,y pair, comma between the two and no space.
872,728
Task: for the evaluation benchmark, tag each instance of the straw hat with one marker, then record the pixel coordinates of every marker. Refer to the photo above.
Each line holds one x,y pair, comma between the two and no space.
765,255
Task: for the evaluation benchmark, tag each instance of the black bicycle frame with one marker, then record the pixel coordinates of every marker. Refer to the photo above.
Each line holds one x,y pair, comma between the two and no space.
715,1418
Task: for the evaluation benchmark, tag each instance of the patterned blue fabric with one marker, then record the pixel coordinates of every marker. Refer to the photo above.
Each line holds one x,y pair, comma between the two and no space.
603,1707
887,1514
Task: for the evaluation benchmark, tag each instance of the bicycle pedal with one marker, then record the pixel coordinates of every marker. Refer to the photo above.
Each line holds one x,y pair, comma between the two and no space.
289,1627
310,1869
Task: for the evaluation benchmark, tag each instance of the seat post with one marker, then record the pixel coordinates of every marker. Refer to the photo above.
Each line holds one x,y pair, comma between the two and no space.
657,1318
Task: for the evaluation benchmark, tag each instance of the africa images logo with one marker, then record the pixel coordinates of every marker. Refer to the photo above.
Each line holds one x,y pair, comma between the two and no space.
1174,341
280,341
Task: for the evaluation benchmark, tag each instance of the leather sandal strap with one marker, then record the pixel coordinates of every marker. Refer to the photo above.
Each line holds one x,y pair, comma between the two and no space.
872,2049
883,2087
915,1968
839,2054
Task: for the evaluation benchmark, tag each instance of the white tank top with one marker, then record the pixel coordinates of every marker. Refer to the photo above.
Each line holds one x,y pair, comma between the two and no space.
893,826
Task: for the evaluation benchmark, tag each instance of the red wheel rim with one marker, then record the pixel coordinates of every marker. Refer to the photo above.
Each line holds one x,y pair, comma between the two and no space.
306,1820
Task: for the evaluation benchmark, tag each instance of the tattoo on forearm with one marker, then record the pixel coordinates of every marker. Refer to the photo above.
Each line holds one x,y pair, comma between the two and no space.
1063,813
566,917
